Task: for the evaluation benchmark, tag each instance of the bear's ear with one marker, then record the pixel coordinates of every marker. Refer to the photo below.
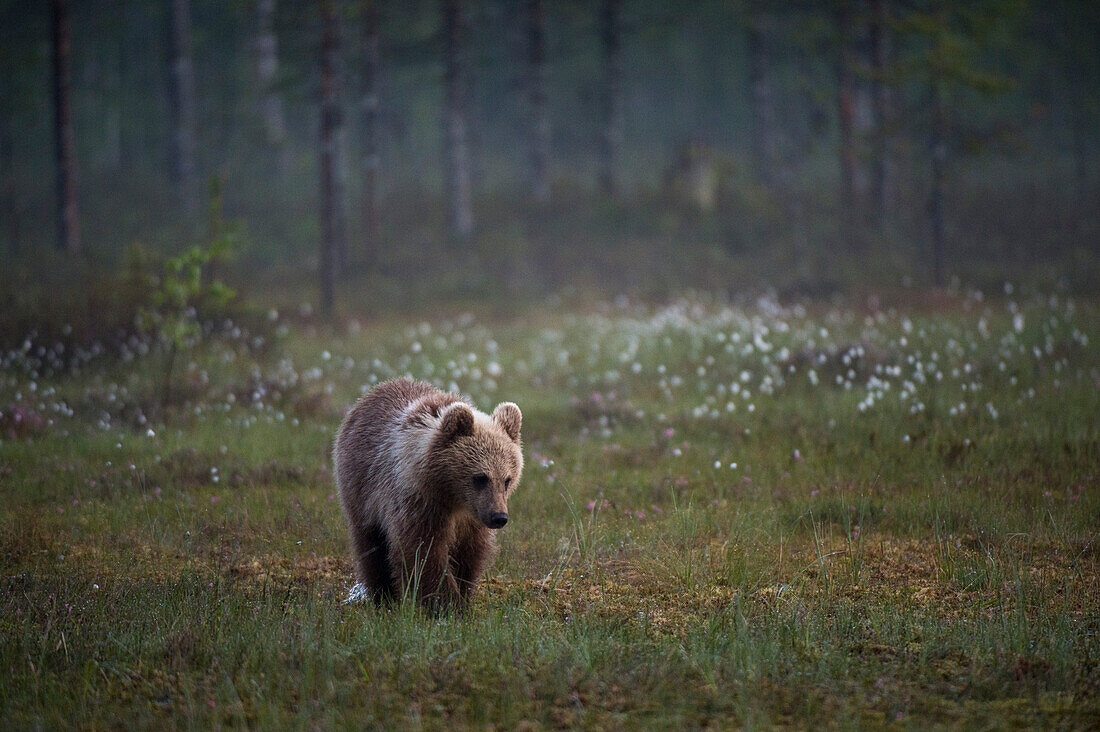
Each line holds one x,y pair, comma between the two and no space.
508,416
458,420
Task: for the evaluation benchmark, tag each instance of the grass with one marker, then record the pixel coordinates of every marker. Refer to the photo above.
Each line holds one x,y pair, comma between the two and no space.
705,535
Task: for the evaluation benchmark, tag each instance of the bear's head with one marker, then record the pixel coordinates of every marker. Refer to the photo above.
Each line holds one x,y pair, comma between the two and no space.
478,458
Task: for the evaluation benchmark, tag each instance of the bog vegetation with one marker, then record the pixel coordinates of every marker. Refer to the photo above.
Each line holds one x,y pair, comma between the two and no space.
875,510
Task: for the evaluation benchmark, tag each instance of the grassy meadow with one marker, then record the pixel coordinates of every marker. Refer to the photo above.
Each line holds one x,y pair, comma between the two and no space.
877,511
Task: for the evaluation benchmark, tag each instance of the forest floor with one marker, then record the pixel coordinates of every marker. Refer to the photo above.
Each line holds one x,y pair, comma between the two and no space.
845,514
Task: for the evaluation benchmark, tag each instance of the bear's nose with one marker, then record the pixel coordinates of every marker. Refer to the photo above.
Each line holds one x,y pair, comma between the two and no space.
497,520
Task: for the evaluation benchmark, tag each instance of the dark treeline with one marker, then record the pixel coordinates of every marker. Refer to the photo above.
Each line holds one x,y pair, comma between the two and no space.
696,141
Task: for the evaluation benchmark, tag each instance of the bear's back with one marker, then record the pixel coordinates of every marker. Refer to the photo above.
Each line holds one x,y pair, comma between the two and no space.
377,431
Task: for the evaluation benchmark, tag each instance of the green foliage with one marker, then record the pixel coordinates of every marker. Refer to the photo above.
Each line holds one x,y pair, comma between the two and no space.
186,286
950,42
178,294
225,237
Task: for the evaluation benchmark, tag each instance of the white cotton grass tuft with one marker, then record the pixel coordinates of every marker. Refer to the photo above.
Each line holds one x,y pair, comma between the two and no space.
357,594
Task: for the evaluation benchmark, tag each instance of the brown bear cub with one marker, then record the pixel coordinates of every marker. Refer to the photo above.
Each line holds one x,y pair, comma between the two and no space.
424,478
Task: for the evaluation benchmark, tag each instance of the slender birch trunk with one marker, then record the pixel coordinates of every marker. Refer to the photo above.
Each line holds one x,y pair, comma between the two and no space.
760,96
181,76
846,118
457,154
371,162
938,156
610,32
536,88
331,231
882,188
272,114
68,208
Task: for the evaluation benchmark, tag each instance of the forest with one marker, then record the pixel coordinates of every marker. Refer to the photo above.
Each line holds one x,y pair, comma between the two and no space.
640,145
799,301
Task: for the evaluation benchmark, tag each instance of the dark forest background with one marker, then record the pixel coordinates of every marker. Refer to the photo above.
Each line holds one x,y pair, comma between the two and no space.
369,155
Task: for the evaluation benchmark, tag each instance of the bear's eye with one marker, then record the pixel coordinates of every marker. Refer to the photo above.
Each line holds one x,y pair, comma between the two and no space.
508,481
481,481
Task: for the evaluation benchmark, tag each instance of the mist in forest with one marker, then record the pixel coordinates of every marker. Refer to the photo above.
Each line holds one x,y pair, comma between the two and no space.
366,155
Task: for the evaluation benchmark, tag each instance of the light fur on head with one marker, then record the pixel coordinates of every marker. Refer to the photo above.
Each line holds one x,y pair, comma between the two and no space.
508,416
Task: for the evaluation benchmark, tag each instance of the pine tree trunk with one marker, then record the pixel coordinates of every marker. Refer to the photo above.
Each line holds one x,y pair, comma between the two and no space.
938,154
610,32
270,110
68,225
182,101
455,133
760,95
882,184
846,118
371,161
536,87
331,232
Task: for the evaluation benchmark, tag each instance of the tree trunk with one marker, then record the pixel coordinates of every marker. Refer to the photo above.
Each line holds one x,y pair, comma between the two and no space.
331,230
112,92
341,167
371,161
1081,135
455,133
270,110
846,118
760,96
536,87
938,154
68,226
182,101
7,182
882,184
610,31
131,134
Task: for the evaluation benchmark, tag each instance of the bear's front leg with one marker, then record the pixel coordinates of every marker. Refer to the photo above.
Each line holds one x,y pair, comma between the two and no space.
370,549
421,563
473,548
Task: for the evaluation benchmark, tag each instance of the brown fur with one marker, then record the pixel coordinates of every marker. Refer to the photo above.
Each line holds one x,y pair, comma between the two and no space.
421,475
